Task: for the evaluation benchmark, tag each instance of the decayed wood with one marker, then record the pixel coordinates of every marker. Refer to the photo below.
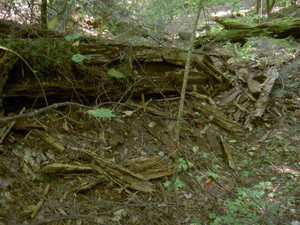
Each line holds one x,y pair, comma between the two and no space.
262,101
42,110
66,168
207,65
218,117
150,167
100,54
227,152
134,173
129,178
236,31
7,61
149,70
50,140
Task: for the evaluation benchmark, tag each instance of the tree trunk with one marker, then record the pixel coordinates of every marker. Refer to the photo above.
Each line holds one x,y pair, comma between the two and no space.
270,6
259,7
44,25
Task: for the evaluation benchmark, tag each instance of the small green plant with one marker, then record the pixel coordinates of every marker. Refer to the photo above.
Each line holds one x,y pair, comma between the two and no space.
235,6
178,183
246,52
78,58
195,221
115,73
250,204
213,175
184,164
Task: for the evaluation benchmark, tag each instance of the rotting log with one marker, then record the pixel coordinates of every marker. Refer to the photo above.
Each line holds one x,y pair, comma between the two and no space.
6,62
99,54
236,31
148,70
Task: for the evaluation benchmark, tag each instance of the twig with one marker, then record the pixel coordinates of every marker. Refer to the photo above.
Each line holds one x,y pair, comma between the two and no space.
39,111
87,218
40,203
186,75
9,127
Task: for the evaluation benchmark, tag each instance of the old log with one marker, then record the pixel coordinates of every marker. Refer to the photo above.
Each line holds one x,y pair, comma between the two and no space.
147,70
237,31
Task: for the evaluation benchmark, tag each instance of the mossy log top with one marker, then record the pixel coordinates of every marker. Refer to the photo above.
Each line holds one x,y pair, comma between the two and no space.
237,31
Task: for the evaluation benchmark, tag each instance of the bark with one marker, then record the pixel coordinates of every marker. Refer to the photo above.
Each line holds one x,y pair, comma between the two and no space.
237,31
148,70
44,24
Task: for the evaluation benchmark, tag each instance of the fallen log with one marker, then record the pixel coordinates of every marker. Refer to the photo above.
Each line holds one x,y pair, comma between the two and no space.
237,31
147,70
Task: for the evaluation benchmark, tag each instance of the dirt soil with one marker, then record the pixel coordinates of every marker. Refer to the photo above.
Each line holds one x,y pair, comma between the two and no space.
69,167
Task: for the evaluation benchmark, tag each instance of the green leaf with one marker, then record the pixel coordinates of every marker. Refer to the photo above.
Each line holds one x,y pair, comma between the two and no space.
212,215
101,29
198,178
72,37
213,175
78,58
179,183
115,73
52,23
101,113
167,184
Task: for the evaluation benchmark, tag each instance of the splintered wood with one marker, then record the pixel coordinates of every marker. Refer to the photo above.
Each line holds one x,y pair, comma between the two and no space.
218,117
135,174
263,99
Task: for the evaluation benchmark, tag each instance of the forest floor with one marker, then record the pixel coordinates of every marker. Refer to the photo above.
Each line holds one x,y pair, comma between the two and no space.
261,186
126,170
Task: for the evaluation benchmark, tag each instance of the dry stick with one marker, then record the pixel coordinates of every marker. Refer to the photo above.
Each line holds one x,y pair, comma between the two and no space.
183,91
39,111
38,206
9,128
186,74
55,106
82,217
